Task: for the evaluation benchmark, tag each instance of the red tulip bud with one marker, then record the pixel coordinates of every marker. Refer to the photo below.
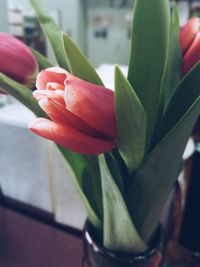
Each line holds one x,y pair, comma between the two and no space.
81,114
190,44
17,60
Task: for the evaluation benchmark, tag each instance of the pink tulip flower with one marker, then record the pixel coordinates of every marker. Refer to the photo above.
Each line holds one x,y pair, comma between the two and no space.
81,114
190,44
17,60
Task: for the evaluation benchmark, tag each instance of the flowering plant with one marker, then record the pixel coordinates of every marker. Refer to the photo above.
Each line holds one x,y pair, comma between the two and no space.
140,130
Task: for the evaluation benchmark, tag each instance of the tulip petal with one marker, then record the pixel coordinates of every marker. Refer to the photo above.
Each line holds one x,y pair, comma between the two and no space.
192,56
54,86
70,138
57,96
58,114
188,33
52,75
92,103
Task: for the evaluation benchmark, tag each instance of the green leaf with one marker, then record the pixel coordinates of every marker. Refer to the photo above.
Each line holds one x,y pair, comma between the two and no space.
43,62
150,33
88,183
116,171
119,231
171,76
21,93
89,180
91,184
79,64
153,181
186,93
131,122
52,32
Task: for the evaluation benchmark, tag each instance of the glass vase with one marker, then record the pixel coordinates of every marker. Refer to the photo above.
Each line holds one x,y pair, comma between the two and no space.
95,255
183,248
1,196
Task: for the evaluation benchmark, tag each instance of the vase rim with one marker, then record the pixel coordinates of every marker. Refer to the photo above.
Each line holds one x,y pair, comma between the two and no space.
124,257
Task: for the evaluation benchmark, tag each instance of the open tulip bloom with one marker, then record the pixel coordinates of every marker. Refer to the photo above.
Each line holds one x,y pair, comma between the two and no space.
82,113
124,147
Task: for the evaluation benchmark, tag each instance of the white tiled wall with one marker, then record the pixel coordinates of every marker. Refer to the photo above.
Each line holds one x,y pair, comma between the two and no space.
23,166
33,171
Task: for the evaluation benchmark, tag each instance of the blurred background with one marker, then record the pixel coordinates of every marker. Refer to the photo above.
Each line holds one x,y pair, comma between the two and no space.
95,25
31,169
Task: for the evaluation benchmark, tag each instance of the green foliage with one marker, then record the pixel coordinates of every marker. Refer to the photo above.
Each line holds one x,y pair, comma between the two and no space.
171,76
131,122
150,33
87,180
187,91
154,179
155,112
21,93
119,232
53,34
43,62
86,169
117,172
79,64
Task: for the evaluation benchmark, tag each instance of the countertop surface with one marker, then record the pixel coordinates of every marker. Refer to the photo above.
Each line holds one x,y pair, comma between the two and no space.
25,242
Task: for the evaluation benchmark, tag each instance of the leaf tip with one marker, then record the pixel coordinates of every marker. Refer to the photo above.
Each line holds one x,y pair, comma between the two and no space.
117,70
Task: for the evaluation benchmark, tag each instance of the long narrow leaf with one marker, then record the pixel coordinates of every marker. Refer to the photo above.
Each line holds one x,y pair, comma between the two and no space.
117,172
52,32
120,234
152,183
85,169
21,93
87,181
79,64
150,33
186,93
171,76
131,122
43,62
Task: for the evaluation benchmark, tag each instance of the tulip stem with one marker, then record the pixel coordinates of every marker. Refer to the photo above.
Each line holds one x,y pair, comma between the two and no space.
21,93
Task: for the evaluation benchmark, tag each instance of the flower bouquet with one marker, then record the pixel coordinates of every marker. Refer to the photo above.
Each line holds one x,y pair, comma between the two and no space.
124,146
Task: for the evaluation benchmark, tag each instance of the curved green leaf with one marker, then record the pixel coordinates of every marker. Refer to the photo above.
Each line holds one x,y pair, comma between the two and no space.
131,122
21,93
171,76
79,64
43,62
53,33
117,172
89,178
88,182
186,93
120,234
153,181
150,33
